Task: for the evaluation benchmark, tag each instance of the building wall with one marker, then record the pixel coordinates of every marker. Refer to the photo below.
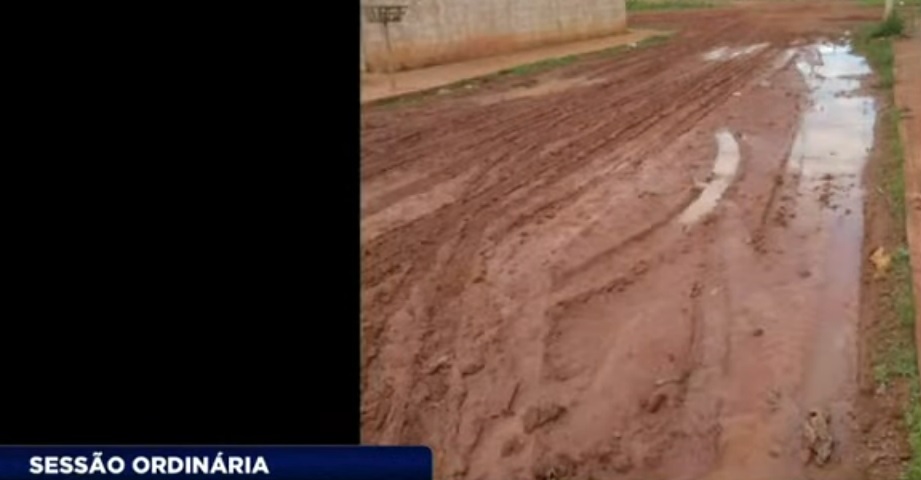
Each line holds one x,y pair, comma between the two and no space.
440,31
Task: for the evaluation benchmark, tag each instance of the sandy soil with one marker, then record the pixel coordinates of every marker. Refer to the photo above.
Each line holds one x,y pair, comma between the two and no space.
652,273
908,96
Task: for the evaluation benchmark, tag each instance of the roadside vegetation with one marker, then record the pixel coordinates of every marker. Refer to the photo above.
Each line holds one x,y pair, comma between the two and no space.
898,3
895,358
521,71
553,63
640,5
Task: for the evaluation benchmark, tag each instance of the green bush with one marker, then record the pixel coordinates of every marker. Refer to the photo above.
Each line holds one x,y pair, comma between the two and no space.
891,27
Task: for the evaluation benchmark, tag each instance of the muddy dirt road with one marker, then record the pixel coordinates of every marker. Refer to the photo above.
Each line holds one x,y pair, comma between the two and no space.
641,267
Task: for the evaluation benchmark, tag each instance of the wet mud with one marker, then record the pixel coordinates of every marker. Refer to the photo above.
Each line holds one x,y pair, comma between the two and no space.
650,272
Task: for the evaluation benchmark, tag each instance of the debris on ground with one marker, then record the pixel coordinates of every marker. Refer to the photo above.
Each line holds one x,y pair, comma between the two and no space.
819,442
881,262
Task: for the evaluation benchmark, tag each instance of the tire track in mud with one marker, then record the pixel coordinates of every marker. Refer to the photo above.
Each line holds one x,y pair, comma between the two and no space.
640,126
644,125
591,131
530,163
644,232
514,114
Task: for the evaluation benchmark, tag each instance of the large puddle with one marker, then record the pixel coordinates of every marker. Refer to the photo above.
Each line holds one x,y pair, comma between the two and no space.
833,144
828,157
836,133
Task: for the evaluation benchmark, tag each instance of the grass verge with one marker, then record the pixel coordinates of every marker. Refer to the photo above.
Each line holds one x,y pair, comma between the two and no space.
643,5
900,3
518,71
553,63
895,358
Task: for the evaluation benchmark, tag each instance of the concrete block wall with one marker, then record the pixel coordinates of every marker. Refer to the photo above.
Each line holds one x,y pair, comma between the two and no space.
441,31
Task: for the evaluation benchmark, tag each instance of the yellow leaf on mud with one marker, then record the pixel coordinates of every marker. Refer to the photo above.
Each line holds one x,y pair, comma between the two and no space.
881,260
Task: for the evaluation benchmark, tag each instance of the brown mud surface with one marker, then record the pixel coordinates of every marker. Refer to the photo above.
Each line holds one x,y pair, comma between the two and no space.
653,273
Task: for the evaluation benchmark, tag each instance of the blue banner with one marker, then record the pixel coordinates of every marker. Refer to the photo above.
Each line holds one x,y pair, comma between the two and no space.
212,462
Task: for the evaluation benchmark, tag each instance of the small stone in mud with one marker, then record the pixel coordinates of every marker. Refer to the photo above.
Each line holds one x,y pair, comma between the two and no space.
758,332
536,417
774,452
804,273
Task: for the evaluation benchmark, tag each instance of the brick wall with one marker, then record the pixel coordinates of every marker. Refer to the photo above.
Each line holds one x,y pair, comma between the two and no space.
440,31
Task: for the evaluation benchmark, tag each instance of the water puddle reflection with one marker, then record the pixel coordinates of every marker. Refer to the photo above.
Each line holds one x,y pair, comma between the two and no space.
836,133
829,154
727,53
724,169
